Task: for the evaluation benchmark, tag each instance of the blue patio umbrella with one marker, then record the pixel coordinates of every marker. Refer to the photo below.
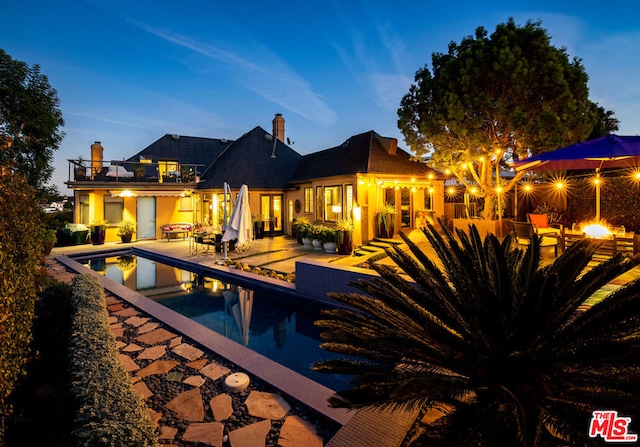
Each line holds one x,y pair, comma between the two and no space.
611,151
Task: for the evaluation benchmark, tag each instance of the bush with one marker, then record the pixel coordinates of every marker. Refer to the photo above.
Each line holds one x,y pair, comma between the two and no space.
110,413
20,252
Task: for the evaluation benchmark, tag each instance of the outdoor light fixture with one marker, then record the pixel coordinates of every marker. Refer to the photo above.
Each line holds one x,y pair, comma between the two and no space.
356,212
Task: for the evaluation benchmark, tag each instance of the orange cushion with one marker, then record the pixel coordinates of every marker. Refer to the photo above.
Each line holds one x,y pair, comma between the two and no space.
539,220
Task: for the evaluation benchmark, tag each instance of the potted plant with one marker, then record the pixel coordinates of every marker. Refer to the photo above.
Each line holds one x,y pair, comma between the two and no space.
304,233
126,230
297,223
329,238
314,235
80,169
138,170
385,218
49,239
98,232
344,228
258,226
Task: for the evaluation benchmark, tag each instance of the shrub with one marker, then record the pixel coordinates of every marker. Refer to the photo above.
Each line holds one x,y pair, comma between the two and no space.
110,413
20,251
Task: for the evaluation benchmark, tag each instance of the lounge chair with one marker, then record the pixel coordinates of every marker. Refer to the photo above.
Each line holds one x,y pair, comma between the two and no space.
523,231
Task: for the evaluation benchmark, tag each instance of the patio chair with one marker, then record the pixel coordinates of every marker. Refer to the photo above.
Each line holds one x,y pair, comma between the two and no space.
523,231
542,226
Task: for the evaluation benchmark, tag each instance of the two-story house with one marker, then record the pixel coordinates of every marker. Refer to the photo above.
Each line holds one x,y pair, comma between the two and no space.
182,179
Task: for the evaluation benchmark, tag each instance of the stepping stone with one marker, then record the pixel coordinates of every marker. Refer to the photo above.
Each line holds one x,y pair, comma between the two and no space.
296,432
197,364
167,433
175,342
128,312
188,352
155,417
153,353
147,328
188,406
117,331
112,320
194,381
136,321
254,435
111,300
266,405
128,363
132,347
155,337
214,371
209,433
221,407
157,367
142,389
115,307
120,344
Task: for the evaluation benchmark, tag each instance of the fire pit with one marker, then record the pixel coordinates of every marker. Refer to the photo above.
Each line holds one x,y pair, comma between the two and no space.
596,230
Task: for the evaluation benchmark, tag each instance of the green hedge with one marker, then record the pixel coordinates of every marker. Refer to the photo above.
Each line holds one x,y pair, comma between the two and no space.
20,252
110,412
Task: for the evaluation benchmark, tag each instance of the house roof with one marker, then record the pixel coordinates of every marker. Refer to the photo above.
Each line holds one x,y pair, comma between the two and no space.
188,150
365,153
248,160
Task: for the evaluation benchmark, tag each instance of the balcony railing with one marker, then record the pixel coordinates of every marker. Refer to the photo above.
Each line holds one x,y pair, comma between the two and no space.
128,171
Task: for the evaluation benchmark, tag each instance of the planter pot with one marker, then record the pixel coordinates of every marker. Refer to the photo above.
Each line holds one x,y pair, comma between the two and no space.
330,247
306,241
97,235
316,244
346,246
258,230
383,232
126,238
47,246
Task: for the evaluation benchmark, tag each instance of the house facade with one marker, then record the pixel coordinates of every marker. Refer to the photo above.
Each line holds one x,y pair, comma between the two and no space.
182,179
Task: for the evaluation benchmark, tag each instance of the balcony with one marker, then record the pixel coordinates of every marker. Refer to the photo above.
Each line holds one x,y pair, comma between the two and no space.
85,172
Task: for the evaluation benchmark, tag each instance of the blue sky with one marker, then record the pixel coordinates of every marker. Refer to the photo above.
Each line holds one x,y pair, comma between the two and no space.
128,72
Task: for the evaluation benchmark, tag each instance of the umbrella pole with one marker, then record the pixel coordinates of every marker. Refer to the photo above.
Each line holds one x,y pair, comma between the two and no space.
597,195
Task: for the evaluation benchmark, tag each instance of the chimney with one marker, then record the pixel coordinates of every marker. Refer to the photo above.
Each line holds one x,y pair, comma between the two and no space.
278,127
96,159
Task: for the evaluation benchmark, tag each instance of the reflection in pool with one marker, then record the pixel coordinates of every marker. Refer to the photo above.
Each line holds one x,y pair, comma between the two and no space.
280,328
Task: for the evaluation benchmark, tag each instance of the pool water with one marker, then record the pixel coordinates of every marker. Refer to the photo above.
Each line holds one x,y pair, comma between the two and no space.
280,328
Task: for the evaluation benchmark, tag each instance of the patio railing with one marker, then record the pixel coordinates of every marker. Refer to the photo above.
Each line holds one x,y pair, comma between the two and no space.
128,171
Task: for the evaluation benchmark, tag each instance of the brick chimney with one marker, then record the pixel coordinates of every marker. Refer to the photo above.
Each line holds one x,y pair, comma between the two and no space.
96,159
278,127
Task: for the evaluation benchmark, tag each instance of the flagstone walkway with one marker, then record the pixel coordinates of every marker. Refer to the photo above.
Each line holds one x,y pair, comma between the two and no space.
184,389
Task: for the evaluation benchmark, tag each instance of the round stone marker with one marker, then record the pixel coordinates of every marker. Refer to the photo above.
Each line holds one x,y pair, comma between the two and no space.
237,382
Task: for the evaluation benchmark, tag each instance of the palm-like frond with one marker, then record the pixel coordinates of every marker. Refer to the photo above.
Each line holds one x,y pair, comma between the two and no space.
486,331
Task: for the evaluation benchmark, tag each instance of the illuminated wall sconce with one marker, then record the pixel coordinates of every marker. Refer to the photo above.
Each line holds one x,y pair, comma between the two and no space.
357,212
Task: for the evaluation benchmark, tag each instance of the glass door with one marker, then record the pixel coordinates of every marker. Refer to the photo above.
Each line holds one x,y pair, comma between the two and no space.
272,215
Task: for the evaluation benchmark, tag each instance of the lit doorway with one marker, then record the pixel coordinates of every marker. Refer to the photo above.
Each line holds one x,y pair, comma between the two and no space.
271,210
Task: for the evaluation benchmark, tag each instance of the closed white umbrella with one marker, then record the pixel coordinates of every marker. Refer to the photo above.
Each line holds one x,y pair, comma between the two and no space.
240,224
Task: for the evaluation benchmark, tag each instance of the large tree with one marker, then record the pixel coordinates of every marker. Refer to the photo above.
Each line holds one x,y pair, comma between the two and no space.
494,98
30,121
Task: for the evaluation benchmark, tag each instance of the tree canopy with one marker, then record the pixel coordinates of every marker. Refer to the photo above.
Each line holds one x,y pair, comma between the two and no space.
493,98
30,121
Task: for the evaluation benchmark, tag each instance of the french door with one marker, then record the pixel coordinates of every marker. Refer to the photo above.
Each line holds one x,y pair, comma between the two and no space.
272,214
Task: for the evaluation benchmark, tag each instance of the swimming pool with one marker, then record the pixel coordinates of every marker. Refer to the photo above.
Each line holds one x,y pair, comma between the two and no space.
278,326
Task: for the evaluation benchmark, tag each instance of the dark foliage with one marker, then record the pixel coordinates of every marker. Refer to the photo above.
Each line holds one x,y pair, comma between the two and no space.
501,345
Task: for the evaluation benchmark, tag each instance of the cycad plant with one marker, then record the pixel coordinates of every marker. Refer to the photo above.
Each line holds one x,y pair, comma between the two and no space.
500,345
